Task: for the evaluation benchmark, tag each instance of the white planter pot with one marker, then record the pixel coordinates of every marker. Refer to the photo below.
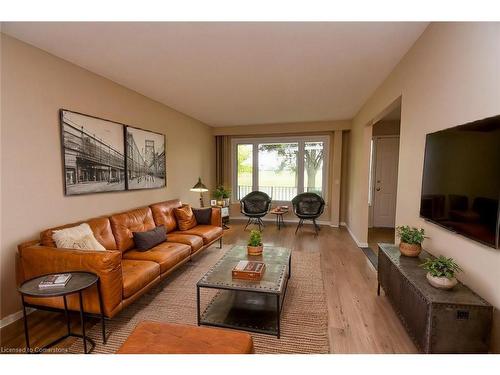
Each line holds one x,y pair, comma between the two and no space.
441,282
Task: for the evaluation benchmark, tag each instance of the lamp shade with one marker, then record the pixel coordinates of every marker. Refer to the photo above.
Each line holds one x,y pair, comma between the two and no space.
199,187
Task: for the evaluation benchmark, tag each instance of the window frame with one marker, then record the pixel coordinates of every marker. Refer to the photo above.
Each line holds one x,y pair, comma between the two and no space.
301,140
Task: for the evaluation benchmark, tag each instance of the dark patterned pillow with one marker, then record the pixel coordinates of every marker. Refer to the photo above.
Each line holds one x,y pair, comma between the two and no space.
203,215
147,240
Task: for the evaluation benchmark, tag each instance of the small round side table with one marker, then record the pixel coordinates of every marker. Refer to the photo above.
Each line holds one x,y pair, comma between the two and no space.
78,282
279,216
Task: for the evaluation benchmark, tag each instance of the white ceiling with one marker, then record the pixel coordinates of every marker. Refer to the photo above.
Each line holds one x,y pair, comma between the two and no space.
236,73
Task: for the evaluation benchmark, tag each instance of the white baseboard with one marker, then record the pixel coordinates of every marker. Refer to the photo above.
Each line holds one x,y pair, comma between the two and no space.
9,319
359,243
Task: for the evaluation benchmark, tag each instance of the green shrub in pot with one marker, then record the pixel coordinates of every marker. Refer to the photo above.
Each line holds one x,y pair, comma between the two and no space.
255,245
222,195
441,272
411,240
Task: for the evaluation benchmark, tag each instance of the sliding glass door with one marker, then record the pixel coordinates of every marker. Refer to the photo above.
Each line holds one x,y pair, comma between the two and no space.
313,167
277,172
280,167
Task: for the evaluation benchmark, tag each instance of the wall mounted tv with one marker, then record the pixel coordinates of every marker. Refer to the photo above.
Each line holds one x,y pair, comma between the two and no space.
461,180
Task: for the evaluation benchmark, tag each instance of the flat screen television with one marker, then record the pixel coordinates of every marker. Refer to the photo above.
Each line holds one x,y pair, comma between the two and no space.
461,180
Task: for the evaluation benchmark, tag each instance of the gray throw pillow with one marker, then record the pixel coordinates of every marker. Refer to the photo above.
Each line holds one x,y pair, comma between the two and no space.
147,240
203,215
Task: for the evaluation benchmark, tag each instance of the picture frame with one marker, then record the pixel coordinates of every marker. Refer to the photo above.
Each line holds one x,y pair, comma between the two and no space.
145,161
93,154
213,202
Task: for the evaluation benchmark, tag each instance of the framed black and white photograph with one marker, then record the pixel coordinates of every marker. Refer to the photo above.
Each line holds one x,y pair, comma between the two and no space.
93,154
145,159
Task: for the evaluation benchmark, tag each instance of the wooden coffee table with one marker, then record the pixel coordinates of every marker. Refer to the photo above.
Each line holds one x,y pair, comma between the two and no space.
253,306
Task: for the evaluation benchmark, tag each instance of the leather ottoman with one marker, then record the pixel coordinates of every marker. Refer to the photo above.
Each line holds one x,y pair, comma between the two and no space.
165,338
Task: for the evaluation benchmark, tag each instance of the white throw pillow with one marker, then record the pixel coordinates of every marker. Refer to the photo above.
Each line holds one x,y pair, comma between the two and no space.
79,237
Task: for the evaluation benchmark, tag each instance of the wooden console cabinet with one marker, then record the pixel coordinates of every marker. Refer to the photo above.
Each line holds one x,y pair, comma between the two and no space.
438,321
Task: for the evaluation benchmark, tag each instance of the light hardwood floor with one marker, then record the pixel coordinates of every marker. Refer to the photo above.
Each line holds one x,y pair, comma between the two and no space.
359,321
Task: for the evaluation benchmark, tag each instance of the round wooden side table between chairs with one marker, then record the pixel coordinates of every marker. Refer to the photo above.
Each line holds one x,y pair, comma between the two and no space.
78,282
279,212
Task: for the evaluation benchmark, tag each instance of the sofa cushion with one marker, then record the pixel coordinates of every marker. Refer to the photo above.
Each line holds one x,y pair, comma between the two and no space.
196,242
163,213
209,233
100,227
166,338
125,223
166,254
137,274
185,217
146,240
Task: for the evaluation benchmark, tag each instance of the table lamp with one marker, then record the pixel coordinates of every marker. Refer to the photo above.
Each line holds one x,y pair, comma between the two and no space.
201,188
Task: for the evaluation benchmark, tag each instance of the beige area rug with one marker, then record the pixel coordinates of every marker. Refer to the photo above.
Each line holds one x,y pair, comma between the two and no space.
304,316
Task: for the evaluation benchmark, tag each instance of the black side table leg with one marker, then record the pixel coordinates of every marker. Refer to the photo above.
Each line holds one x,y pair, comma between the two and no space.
26,333
103,326
66,313
82,322
378,289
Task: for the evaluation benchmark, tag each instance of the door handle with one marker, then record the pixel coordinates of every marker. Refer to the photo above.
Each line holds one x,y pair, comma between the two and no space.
378,189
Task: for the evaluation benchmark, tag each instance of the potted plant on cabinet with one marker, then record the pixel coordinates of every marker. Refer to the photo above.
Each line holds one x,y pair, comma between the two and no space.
255,245
411,240
222,195
441,272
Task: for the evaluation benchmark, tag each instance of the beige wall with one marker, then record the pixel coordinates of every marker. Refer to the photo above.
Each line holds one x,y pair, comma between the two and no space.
449,77
34,86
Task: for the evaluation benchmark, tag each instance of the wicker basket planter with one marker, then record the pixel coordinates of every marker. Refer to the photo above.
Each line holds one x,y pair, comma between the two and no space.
410,250
255,250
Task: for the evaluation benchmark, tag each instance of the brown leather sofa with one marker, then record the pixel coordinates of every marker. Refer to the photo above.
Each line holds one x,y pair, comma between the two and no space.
125,273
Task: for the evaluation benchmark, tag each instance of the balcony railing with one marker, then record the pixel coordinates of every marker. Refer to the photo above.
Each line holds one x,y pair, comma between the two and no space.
277,193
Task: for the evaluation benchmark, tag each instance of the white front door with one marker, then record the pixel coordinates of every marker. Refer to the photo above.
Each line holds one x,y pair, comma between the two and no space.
386,181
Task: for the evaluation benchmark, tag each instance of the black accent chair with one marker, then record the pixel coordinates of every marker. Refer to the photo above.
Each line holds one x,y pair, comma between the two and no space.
308,206
255,205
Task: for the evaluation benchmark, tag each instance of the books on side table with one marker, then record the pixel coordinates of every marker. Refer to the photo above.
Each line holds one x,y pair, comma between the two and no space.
249,270
54,281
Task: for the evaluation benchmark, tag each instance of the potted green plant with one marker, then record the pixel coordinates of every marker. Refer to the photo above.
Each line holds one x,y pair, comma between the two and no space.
411,240
255,246
441,272
222,195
